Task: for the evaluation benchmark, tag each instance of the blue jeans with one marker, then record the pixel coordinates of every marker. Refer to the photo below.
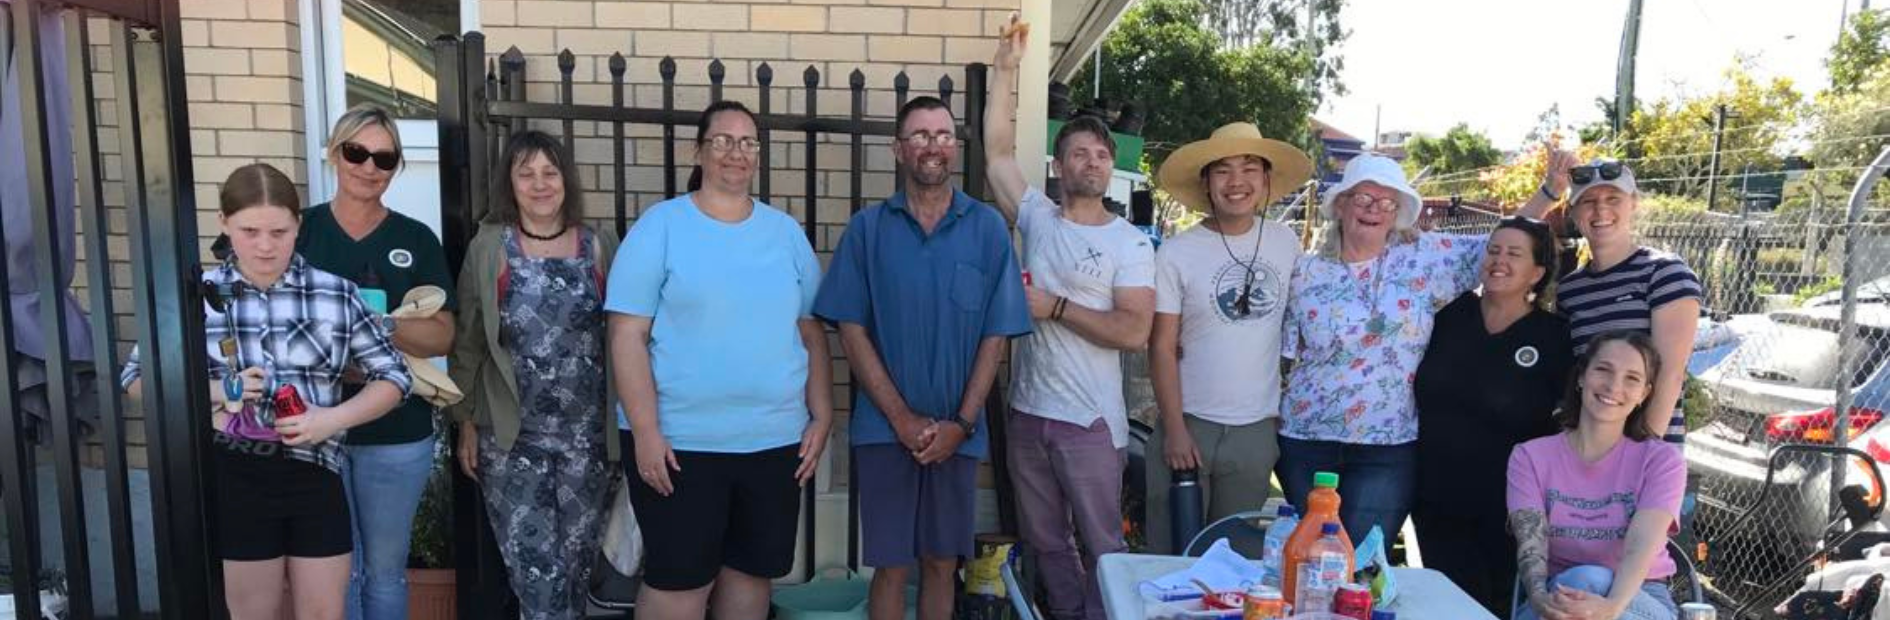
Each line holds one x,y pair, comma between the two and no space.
1377,484
1654,602
384,485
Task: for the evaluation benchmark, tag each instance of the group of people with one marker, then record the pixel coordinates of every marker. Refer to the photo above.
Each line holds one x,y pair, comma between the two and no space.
1416,365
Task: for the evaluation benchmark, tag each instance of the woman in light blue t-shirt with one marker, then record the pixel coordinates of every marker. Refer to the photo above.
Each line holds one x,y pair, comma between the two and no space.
724,377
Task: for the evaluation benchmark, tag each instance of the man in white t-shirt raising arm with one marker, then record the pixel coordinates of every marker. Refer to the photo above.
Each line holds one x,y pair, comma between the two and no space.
1220,296
1091,278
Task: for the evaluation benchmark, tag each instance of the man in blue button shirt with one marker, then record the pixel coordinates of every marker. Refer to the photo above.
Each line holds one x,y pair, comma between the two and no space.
925,290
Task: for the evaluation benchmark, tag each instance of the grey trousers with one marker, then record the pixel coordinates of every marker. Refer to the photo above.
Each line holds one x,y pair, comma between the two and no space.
1236,473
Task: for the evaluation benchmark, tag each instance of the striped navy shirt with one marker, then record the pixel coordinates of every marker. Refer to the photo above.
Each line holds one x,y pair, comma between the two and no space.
1624,297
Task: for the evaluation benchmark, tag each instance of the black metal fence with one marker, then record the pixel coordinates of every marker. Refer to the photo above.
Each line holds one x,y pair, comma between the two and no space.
63,398
482,100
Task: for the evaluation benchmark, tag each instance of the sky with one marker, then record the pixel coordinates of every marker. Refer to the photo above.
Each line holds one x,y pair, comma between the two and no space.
1498,64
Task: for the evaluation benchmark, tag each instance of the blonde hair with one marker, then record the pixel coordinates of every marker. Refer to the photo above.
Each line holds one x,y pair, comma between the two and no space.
358,119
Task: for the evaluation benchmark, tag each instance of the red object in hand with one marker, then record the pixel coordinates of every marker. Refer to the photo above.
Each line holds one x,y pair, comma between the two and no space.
289,402
1026,277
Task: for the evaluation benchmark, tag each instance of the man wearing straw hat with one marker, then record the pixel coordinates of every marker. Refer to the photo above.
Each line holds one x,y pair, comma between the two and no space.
1220,293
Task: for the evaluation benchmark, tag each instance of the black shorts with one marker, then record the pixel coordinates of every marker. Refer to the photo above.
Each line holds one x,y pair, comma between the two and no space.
735,510
273,506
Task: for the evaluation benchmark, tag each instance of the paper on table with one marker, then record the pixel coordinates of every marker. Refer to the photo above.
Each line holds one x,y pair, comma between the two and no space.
1220,568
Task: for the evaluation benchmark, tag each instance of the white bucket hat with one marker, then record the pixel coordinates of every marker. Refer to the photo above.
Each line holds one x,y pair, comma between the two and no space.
1384,172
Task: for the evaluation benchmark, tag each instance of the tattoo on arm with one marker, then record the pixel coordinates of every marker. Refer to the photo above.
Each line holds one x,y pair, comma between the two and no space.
1531,529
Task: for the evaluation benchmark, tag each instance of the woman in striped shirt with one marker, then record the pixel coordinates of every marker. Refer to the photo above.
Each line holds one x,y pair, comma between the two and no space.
1626,286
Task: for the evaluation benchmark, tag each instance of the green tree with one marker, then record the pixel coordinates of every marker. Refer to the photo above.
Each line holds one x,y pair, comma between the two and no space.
1860,49
1284,24
1671,141
1163,57
1459,149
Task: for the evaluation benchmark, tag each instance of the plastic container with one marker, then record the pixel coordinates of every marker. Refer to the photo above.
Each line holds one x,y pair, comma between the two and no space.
1184,509
1322,508
1326,567
1274,548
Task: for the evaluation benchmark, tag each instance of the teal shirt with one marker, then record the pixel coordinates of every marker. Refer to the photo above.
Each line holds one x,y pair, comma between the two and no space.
398,255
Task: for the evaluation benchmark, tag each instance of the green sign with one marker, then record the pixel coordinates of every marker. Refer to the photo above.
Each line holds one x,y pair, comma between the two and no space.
1128,148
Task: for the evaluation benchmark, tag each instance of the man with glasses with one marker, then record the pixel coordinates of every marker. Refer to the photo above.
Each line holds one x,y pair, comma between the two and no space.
925,291
1092,294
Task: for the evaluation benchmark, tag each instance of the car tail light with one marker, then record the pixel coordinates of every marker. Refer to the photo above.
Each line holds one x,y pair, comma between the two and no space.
1817,426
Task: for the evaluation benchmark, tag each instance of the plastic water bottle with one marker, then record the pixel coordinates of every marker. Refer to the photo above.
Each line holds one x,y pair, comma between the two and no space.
1184,509
1273,551
1323,572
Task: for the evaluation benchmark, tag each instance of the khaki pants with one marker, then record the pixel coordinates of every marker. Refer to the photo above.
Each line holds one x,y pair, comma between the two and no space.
1236,473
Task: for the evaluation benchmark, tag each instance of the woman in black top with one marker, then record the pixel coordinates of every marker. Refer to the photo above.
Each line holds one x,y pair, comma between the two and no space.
1489,380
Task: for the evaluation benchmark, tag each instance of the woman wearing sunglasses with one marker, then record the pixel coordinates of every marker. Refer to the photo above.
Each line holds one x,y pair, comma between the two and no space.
279,333
724,378
385,253
1489,380
532,428
1629,286
1358,321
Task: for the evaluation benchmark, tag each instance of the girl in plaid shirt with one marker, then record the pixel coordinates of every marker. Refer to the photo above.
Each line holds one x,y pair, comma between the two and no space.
273,322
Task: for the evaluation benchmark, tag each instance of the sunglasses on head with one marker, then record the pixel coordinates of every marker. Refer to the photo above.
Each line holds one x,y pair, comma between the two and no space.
356,154
1523,222
1606,171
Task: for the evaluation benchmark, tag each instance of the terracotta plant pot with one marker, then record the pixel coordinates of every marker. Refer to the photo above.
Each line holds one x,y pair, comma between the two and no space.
430,594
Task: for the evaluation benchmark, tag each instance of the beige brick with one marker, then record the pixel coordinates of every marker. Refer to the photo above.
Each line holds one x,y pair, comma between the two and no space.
789,18
959,50
203,142
197,88
632,15
715,16
754,45
952,22
255,89
213,9
564,14
594,41
215,61
905,49
907,2
257,35
275,116
196,33
498,13
536,39
660,43
209,115
279,10
273,63
994,22
877,20
827,47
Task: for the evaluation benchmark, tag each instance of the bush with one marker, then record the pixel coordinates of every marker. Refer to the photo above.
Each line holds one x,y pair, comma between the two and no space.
1830,283
1780,260
431,545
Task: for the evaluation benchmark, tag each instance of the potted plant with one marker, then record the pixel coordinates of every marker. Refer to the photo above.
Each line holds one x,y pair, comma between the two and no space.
430,572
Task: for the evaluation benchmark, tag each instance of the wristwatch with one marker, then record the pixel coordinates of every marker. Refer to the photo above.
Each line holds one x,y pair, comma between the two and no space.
387,323
970,427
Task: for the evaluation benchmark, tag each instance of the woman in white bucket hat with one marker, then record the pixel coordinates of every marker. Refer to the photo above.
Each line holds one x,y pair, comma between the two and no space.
1357,323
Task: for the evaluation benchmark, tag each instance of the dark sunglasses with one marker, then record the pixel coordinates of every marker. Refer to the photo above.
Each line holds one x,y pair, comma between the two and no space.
1519,221
355,154
1606,171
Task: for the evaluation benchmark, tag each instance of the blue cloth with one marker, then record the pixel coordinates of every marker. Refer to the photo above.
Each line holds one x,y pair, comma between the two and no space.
384,483
926,302
725,344
1653,602
1378,483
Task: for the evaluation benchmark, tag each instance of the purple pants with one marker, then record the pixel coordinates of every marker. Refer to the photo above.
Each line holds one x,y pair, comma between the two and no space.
1069,497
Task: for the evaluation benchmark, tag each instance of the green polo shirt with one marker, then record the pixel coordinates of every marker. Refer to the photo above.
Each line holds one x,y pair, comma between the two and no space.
398,255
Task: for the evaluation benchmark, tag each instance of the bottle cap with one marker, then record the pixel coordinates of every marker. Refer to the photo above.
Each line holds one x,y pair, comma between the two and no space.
1284,511
1184,476
1329,529
1325,480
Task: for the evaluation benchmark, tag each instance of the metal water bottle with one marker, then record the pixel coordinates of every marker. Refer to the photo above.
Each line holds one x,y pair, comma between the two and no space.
1184,508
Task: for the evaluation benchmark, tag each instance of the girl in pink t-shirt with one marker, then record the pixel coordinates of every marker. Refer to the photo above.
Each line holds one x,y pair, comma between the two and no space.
1593,505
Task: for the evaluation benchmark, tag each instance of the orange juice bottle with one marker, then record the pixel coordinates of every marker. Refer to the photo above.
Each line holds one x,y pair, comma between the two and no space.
1322,507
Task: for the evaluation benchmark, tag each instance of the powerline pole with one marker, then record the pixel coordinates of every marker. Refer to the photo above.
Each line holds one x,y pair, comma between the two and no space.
1624,71
1712,175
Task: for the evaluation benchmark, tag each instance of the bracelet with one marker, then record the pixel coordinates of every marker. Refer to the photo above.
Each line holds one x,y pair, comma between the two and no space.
1544,188
1056,312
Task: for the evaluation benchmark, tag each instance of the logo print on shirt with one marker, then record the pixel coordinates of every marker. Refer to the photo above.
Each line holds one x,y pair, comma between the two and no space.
1090,264
1527,357
400,258
1267,295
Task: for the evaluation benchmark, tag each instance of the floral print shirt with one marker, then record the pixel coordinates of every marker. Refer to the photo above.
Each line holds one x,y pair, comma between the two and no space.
1358,332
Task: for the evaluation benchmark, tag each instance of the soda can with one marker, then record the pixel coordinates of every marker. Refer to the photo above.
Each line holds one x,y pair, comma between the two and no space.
1698,611
1264,603
289,402
1353,601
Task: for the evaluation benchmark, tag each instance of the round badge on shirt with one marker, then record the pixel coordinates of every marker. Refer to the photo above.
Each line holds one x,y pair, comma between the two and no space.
400,258
1527,357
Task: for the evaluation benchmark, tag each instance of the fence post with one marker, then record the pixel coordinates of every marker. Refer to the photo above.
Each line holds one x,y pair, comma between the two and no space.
668,70
1847,321
977,92
811,80
764,78
619,197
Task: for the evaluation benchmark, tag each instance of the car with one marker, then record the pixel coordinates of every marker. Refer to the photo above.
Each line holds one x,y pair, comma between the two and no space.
1874,291
1779,388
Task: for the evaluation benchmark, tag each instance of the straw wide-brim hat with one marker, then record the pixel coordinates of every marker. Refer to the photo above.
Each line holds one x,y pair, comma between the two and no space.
429,382
1180,175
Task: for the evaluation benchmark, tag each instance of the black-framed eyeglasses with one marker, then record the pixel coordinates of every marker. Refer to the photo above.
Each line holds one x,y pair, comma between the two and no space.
1604,170
356,154
722,143
922,140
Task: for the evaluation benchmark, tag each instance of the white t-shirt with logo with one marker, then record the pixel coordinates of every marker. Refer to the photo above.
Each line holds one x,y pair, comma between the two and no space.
1060,374
1230,361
